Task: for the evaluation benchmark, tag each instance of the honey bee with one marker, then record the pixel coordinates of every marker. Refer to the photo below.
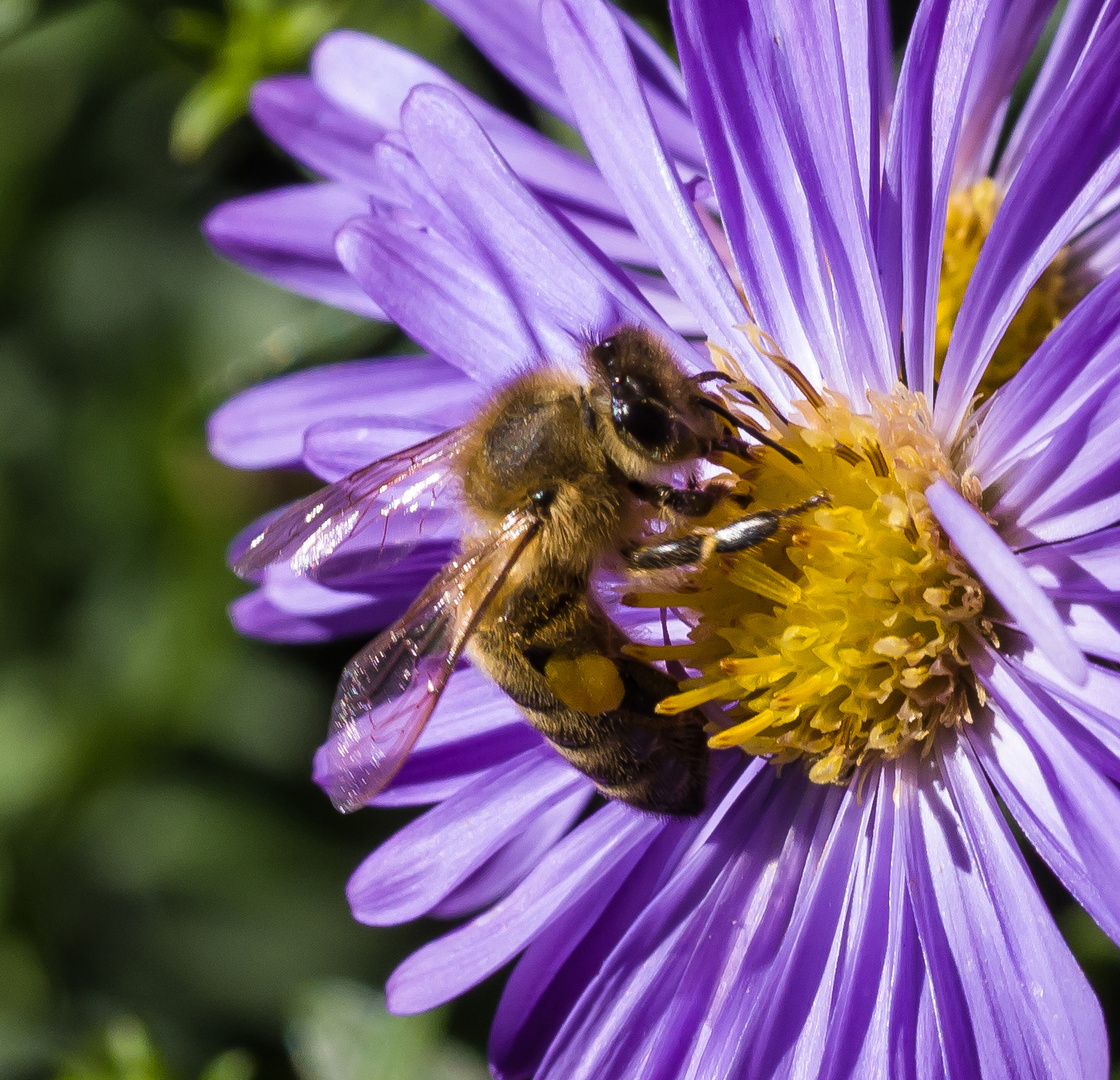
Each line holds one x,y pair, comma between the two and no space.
555,474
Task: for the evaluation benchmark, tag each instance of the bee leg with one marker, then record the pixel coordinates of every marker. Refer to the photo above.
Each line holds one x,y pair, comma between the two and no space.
695,547
688,502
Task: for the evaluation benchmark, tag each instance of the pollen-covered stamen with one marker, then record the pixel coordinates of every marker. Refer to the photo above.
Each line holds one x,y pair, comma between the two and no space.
972,211
840,638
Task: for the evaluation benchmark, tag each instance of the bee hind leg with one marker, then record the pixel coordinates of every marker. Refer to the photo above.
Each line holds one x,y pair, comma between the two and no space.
694,547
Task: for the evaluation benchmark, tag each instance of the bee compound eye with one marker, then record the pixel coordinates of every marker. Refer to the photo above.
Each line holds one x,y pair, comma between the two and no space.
647,422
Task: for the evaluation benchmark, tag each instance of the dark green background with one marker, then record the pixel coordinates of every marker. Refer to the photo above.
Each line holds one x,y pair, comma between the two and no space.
169,877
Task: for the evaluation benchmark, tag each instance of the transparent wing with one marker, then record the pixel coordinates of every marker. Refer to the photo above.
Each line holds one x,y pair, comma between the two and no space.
399,487
388,691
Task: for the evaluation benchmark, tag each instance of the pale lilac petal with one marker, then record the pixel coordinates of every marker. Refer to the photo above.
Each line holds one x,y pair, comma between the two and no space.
423,862
596,69
474,728
1008,581
894,1040
1096,628
1085,568
1081,21
725,908
509,866
439,295
571,949
256,615
1057,796
1003,52
1074,161
785,996
335,448
921,152
328,140
794,165
613,239
524,244
1093,706
795,168
603,849
566,954
1076,362
264,426
1009,997
287,237
301,595
510,34
1072,486
1096,252
371,79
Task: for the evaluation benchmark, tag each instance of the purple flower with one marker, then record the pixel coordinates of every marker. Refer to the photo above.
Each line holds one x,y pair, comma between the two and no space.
781,197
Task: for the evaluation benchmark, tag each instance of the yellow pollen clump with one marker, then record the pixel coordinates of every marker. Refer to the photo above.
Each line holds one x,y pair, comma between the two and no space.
972,211
840,638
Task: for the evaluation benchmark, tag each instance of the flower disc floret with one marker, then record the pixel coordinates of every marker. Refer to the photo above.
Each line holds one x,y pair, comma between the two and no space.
841,638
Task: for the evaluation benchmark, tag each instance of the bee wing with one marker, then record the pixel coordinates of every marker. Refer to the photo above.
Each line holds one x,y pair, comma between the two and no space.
308,531
388,691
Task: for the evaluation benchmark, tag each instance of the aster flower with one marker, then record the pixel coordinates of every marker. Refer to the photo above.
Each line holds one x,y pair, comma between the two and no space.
936,641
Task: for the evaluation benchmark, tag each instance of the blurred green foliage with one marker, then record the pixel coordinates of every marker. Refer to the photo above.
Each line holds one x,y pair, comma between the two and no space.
256,38
163,854
171,884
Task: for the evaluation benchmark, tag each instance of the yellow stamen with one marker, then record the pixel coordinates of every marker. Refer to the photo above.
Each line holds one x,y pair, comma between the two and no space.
840,638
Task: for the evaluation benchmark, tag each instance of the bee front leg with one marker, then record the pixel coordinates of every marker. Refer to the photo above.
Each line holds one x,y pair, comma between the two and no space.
694,547
688,502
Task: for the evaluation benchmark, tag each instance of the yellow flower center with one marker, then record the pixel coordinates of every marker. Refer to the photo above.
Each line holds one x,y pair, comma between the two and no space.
840,638
971,213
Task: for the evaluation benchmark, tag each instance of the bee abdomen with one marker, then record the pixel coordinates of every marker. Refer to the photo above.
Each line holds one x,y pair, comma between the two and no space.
655,763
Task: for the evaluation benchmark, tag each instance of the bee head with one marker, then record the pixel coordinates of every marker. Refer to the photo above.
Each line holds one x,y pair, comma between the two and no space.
651,405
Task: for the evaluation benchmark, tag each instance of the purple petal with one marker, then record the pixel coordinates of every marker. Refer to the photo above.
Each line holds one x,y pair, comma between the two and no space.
567,953
422,863
509,32
1002,55
1085,568
287,236
256,615
596,68
335,448
329,141
264,427
1092,706
439,295
523,243
1081,21
1074,363
572,948
1074,161
509,866
474,728
1009,997
791,132
1008,581
1057,796
921,150
603,849
1071,487
719,916
371,79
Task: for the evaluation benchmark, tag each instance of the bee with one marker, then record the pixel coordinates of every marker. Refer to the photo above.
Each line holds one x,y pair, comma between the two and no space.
555,474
